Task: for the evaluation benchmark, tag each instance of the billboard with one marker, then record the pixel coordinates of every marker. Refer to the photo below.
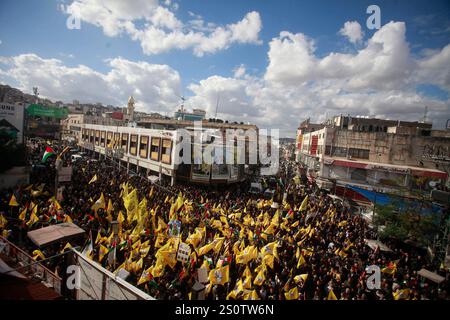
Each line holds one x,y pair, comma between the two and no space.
34,110
11,122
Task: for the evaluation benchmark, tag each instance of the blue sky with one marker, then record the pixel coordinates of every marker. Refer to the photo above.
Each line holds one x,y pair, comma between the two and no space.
39,28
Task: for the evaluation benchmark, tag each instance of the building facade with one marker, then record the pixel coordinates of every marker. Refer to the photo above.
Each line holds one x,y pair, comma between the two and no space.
383,155
153,152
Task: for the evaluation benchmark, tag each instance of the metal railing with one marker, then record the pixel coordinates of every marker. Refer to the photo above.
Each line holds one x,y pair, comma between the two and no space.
26,264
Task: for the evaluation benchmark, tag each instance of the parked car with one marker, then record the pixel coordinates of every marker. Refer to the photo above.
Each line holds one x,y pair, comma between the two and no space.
255,188
76,157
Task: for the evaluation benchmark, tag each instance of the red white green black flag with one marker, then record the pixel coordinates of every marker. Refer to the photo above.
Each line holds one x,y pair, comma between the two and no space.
48,152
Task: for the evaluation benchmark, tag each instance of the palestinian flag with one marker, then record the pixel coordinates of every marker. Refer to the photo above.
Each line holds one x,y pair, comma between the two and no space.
48,153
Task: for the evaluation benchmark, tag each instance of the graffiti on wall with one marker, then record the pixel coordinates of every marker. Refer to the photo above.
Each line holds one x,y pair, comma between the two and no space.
436,152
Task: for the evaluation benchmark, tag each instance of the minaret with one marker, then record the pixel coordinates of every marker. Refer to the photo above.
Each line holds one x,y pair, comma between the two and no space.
130,108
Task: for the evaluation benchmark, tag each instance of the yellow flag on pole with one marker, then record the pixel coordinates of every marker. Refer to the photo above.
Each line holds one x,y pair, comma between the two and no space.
38,254
120,217
220,275
13,201
94,178
292,294
304,204
110,206
100,203
301,261
33,219
260,277
331,296
23,214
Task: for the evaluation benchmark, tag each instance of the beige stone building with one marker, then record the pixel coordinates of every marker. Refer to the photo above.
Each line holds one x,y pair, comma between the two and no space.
375,154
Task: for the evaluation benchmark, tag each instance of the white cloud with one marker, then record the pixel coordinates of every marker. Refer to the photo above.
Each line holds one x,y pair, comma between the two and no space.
162,31
153,86
352,30
239,71
379,79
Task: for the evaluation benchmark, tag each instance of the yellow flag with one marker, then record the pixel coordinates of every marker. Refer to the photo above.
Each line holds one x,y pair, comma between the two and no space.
120,217
145,276
292,294
218,244
270,248
13,201
102,252
150,193
331,296
100,203
194,238
236,291
219,275
131,202
38,254
268,260
66,247
301,261
23,214
249,253
390,269
33,219
401,294
110,206
3,221
94,178
139,265
303,277
260,277
251,295
206,248
304,204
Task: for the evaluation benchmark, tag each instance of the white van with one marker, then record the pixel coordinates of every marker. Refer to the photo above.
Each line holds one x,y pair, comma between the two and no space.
76,157
255,188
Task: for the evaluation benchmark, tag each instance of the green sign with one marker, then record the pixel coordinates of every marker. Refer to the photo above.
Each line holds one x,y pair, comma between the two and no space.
43,111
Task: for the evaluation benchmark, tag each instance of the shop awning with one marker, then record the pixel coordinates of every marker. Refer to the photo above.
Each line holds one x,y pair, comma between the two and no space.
51,234
430,276
373,244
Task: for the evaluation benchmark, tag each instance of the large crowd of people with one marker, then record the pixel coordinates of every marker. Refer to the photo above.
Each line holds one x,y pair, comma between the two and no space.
308,247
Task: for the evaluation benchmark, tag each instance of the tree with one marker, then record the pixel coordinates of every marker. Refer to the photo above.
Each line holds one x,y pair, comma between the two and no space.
404,221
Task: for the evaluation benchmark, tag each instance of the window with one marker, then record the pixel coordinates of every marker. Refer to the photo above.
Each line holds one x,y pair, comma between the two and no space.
143,147
359,153
154,150
124,142
102,138
133,144
116,140
108,139
92,136
166,151
97,137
